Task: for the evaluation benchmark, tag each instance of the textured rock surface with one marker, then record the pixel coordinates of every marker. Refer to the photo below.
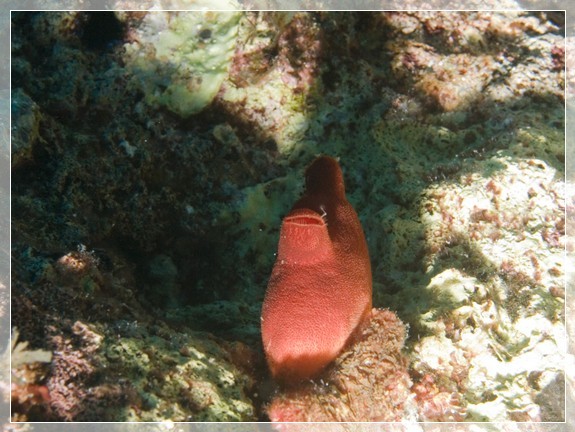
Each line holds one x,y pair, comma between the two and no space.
180,59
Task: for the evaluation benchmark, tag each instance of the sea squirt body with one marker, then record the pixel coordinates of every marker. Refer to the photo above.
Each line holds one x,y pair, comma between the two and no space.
320,290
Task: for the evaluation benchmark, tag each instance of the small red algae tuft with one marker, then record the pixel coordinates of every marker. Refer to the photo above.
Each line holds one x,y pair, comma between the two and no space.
435,404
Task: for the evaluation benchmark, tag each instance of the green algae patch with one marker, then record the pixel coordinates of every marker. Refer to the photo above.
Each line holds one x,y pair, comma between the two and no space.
262,209
186,378
180,59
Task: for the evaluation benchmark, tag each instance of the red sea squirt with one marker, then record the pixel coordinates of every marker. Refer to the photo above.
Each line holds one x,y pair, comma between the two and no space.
319,293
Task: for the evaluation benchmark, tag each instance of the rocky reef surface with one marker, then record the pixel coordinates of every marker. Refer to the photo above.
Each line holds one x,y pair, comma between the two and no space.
154,154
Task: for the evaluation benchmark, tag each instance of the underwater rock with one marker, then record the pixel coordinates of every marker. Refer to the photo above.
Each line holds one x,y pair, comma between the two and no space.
26,118
454,170
180,59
